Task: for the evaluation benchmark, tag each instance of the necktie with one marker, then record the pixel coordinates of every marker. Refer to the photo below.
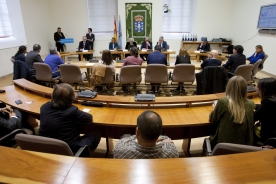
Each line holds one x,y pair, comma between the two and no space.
147,46
83,45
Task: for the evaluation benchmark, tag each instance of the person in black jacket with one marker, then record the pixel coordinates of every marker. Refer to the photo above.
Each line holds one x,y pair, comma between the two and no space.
34,56
57,36
182,58
91,38
204,46
20,55
235,60
60,119
146,45
129,44
265,112
84,45
212,60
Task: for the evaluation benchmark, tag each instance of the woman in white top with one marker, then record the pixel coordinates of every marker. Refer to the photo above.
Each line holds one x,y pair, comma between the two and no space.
107,60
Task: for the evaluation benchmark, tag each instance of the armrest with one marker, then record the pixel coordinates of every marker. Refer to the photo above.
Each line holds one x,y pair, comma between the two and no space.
5,139
84,152
207,147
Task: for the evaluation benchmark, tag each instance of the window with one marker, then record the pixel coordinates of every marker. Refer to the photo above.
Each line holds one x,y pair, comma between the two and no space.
101,15
5,24
179,19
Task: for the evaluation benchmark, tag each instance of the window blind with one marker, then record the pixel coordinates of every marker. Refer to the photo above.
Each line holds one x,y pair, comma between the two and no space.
101,15
5,24
179,19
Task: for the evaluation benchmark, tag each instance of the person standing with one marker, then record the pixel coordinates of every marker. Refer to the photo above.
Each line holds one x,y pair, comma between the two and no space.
57,36
91,38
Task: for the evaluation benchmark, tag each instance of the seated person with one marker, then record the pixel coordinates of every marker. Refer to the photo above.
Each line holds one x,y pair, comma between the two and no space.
147,142
232,116
60,119
182,58
265,111
113,45
259,54
84,45
33,56
20,55
134,58
107,60
129,44
204,46
12,119
212,60
54,60
162,43
235,60
146,45
157,57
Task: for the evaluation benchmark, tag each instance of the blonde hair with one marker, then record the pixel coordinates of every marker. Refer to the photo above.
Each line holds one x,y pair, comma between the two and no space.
183,52
236,91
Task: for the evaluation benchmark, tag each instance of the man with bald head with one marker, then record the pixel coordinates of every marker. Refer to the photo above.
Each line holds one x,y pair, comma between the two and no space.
212,60
84,45
147,142
54,60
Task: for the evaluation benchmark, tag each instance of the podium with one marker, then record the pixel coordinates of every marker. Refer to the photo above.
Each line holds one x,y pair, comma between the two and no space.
67,40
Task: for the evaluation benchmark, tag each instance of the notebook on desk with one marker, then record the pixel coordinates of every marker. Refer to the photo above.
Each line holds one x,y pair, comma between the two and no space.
144,97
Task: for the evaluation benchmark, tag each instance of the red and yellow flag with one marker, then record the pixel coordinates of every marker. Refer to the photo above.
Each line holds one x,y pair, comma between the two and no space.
115,29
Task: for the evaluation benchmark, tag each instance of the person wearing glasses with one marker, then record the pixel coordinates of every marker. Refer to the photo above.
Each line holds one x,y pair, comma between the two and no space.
211,60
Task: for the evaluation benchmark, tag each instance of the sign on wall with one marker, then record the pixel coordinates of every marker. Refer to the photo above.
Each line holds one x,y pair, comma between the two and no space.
138,21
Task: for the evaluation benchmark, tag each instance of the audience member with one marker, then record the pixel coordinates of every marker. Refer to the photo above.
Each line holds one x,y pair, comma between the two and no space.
265,111
212,60
232,116
204,46
107,60
134,58
20,55
91,38
54,60
259,54
157,57
146,45
59,119
162,43
34,56
57,36
84,45
147,142
235,60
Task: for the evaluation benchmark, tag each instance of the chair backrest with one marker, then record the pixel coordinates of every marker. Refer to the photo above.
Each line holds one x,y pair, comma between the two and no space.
70,73
156,73
168,47
228,148
130,74
183,73
245,71
256,67
108,77
265,57
43,144
261,66
43,72
271,142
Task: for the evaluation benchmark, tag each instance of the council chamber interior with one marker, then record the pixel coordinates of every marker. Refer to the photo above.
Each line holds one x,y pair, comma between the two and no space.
187,116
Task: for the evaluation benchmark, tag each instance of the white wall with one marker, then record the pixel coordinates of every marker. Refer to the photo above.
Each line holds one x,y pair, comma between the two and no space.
244,26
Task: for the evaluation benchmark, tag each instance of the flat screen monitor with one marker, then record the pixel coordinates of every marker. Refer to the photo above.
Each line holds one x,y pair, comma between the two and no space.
267,17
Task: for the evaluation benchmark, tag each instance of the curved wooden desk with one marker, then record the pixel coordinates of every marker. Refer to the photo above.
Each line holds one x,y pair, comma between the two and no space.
32,167
63,54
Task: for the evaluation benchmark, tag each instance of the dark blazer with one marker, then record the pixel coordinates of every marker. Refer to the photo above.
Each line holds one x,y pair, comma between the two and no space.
205,48
57,37
111,46
33,57
210,62
144,45
182,60
265,114
234,61
157,58
128,45
62,124
20,57
164,45
92,37
22,70
86,46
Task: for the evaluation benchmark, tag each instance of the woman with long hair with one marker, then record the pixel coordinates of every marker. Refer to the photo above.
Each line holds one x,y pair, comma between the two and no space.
20,55
134,58
258,54
265,111
232,116
108,60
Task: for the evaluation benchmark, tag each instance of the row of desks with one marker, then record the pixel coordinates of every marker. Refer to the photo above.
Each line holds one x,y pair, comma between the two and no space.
20,166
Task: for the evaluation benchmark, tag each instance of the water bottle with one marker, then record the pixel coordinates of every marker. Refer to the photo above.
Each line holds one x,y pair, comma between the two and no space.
183,37
196,38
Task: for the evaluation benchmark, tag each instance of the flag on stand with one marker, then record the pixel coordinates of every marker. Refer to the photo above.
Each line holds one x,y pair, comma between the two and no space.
115,29
120,34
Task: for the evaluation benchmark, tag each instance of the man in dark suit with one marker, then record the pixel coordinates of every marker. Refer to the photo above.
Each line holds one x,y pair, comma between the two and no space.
145,45
162,43
212,60
235,60
91,38
33,56
156,58
57,36
84,45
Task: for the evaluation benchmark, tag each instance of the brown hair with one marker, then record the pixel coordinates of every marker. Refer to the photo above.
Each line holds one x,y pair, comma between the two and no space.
107,57
134,51
267,88
62,96
183,52
260,47
114,39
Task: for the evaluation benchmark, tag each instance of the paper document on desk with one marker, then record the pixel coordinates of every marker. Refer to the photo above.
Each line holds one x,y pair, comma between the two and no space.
89,64
125,50
197,51
84,50
169,50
